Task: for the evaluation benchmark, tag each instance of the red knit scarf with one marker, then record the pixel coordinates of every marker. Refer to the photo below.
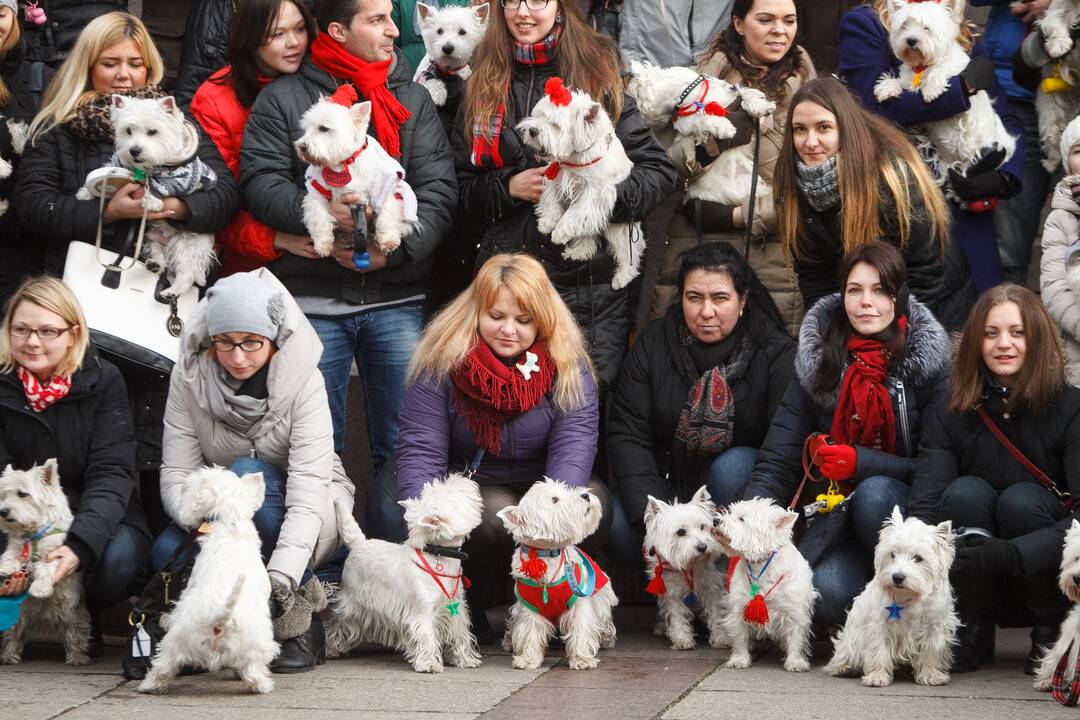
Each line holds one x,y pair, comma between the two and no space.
41,395
864,412
488,393
387,114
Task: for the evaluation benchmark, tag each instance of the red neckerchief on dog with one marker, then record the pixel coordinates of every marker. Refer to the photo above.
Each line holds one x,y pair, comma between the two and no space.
658,587
553,599
453,605
695,107
337,178
553,169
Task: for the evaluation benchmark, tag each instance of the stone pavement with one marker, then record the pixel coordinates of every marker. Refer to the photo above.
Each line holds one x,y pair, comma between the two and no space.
640,678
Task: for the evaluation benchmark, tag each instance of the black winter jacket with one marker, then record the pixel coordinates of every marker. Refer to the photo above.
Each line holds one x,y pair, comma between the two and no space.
89,432
651,394
917,387
50,43
273,181
956,444
206,45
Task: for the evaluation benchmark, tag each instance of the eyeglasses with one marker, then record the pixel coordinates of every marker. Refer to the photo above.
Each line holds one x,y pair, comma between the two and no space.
531,4
43,333
227,346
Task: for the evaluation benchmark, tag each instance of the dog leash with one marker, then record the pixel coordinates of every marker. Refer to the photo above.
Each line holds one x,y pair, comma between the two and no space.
1067,696
454,604
753,187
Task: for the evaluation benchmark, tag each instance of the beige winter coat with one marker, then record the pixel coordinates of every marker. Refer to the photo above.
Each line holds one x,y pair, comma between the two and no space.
296,435
766,257
1060,285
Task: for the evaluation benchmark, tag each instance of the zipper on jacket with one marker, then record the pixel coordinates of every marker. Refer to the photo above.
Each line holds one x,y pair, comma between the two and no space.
901,404
528,96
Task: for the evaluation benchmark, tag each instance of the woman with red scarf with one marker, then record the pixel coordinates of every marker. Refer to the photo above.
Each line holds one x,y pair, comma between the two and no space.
500,381
871,363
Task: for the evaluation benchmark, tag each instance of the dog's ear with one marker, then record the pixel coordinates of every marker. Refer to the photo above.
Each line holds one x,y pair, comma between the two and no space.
702,496
896,5
956,8
432,521
654,506
424,11
896,518
510,517
1075,524
50,473
360,113
592,113
8,469
945,530
119,102
482,12
169,103
786,520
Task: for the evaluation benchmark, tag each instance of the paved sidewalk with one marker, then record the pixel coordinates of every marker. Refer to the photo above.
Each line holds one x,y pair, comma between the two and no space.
640,678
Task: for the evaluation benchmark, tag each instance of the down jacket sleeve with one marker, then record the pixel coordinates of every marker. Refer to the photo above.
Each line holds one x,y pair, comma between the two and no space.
423,445
652,180
1059,295
213,209
266,161
573,438
181,452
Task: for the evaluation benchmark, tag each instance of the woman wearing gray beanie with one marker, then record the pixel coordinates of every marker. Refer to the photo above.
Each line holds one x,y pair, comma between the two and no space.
246,394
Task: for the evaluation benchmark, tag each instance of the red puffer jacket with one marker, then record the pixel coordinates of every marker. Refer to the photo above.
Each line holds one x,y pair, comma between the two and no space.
246,244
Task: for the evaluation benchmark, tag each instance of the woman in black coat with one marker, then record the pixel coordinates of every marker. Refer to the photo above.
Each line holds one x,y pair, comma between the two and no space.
58,399
1010,366
870,364
500,178
662,439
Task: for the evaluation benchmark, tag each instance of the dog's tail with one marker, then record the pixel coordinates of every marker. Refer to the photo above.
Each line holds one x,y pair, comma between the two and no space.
221,623
348,529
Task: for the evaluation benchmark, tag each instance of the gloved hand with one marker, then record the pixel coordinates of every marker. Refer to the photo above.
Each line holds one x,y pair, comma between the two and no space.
982,179
282,596
744,133
978,75
837,462
981,555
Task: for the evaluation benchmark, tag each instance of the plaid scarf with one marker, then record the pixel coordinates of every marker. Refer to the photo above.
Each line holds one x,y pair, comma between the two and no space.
40,395
485,146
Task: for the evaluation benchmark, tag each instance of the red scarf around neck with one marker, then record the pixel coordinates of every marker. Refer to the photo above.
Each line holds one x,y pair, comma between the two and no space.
41,395
487,392
864,412
387,114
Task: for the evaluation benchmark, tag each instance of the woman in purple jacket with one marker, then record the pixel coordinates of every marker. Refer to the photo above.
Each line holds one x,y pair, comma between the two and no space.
865,54
500,382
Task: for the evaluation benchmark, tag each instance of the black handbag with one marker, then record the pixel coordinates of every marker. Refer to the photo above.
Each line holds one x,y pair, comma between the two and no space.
157,598
818,532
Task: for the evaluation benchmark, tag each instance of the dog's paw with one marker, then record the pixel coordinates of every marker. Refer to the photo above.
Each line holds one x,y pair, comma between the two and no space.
522,662
546,222
83,194
739,661
152,204
756,103
507,643
1042,685
10,657
151,687
581,249
469,660
323,244
42,587
932,677
797,664
77,659
887,88
878,678
1058,43
261,685
388,243
153,265
428,666
584,663
437,90
934,87
683,643
720,640
622,277
841,670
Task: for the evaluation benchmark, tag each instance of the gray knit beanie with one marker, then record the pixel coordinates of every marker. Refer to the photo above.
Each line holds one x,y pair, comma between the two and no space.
244,303
13,4
1069,137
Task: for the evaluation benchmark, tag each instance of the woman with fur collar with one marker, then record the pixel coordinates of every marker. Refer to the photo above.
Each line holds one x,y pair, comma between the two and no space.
246,394
871,363
757,50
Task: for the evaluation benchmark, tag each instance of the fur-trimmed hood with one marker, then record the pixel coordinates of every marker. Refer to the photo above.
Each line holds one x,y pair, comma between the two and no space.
927,354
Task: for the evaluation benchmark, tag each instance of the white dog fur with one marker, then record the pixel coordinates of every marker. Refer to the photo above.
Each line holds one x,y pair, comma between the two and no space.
388,597
31,501
1069,637
575,207
553,516
679,543
906,615
222,619
657,89
1056,109
924,33
757,531
450,35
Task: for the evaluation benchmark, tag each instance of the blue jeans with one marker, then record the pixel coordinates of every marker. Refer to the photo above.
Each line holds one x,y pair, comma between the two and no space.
385,518
382,343
844,570
268,518
729,474
1017,219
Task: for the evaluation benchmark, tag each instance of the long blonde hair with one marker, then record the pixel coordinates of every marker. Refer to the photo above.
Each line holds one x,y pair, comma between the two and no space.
452,334
10,41
70,87
53,295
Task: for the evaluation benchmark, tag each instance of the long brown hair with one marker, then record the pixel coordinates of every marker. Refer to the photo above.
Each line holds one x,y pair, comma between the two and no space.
1042,376
11,41
872,150
251,27
584,59
773,81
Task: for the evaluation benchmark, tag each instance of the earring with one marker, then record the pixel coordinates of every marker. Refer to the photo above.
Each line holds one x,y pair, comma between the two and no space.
558,19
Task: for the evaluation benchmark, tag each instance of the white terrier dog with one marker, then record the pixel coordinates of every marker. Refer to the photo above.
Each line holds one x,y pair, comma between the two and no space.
1062,657
681,555
158,144
222,619
1058,98
923,35
343,158
451,35
696,106
35,517
771,591
556,583
587,160
906,614
411,596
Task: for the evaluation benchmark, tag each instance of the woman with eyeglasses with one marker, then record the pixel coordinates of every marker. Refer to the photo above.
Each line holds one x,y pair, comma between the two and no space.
60,399
247,394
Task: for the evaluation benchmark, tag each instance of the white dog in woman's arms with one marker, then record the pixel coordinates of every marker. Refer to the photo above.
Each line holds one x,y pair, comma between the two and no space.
587,161
1057,100
451,35
1062,656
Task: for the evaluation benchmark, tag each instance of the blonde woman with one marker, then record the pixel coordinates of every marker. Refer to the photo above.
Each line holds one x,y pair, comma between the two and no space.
59,399
503,370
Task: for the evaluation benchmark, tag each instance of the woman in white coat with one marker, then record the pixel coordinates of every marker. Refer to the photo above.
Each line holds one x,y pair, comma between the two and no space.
1059,276
246,394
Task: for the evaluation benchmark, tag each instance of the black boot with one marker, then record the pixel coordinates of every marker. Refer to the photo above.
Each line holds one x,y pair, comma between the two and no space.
304,652
974,644
1042,638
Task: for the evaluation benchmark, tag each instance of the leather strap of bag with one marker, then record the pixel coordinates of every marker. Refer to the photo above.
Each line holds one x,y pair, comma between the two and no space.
807,470
753,188
1035,472
117,265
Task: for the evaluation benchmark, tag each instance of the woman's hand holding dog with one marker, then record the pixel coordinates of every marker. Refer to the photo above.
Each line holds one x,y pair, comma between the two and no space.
527,185
342,212
296,244
15,585
126,204
68,562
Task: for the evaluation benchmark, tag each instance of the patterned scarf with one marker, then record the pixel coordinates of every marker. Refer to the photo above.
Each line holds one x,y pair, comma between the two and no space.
93,119
485,147
187,178
864,412
707,422
487,392
819,185
41,395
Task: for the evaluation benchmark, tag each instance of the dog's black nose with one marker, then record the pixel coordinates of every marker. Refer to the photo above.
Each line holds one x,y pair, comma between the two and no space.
912,42
3,512
136,151
448,49
701,547
534,132
898,579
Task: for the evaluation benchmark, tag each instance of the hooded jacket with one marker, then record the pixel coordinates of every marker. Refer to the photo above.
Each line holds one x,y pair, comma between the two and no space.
296,434
916,386
1059,271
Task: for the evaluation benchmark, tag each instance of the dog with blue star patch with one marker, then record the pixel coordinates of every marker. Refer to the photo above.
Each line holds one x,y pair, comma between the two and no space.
906,615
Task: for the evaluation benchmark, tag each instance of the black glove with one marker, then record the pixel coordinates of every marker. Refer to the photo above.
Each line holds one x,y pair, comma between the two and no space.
982,180
978,75
981,555
744,132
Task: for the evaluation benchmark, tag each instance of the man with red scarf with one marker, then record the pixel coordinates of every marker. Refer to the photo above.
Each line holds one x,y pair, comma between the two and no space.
371,314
